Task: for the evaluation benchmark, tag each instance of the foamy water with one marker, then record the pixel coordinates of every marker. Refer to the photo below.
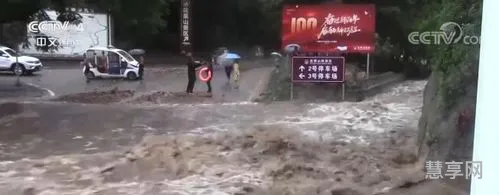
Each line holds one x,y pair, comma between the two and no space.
397,109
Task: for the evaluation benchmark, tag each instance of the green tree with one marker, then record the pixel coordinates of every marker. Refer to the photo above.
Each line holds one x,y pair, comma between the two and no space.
136,23
456,64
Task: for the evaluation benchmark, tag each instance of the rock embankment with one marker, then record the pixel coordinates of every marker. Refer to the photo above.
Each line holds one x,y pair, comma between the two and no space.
447,135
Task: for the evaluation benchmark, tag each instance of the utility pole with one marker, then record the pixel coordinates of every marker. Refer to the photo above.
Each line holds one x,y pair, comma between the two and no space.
109,28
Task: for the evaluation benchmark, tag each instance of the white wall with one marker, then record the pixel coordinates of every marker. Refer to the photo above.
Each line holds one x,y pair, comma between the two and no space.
95,33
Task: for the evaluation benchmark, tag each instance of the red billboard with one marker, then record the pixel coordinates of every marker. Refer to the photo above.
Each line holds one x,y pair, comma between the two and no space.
329,27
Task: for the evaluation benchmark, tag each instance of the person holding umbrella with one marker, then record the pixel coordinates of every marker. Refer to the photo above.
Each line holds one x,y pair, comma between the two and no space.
229,59
235,75
228,71
138,54
221,60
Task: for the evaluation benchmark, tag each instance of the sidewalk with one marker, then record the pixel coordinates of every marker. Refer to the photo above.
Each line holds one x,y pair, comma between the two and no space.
256,81
253,82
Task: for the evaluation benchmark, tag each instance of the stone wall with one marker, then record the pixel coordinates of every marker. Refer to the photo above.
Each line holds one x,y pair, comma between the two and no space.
357,86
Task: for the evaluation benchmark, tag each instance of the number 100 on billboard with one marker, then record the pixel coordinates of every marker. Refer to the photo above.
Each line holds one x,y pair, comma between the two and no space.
302,24
326,27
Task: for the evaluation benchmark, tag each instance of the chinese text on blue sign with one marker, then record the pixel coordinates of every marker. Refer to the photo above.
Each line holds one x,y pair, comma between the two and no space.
318,69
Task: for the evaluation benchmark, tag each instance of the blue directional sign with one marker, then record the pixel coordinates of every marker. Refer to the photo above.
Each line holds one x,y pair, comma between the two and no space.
318,69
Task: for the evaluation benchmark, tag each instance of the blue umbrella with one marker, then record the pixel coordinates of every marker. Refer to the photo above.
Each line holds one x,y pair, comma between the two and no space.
231,56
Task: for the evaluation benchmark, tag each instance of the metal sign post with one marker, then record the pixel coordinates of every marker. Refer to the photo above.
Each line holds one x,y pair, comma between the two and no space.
321,69
368,66
343,91
109,28
290,67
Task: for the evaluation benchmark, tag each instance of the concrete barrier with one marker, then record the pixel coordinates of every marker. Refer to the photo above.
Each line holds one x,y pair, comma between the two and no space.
374,86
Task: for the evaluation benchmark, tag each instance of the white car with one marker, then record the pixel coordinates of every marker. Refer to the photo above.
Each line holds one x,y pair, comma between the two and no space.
10,60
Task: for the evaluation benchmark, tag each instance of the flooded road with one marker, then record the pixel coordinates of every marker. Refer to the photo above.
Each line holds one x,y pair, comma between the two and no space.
81,139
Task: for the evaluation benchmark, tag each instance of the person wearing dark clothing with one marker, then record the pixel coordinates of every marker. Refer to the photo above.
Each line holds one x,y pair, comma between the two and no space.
141,67
103,67
123,65
219,60
228,71
210,69
191,72
87,62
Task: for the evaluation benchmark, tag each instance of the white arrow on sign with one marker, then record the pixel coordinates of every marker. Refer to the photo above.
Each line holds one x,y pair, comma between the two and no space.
301,75
302,68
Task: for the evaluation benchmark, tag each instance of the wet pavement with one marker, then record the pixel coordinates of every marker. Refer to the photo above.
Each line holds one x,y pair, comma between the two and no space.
71,80
18,89
65,81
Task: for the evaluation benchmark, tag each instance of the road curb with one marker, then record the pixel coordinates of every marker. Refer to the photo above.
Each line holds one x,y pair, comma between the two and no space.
136,96
50,93
25,90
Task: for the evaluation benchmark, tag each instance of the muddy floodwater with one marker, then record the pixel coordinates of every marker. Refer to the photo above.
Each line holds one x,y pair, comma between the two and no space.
184,147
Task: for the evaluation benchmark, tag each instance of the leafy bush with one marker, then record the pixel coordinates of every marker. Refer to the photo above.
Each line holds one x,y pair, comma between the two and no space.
455,64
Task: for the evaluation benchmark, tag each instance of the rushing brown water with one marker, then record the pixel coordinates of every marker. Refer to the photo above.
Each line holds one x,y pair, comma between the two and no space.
225,148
